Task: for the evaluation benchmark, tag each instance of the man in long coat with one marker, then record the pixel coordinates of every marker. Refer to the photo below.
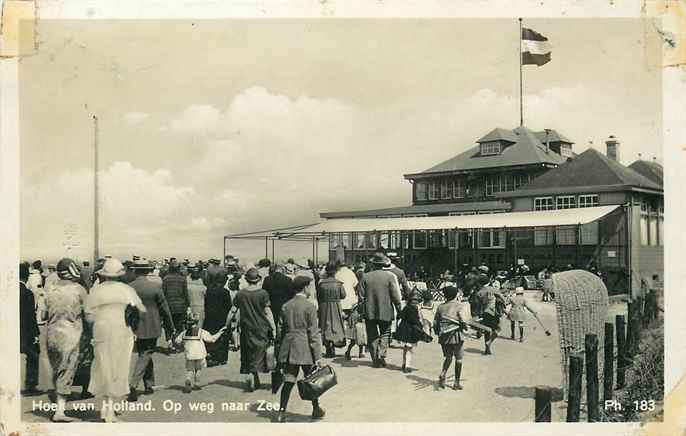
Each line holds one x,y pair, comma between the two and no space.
149,289
28,331
379,292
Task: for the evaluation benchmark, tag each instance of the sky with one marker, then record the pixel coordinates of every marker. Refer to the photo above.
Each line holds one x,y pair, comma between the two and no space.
208,128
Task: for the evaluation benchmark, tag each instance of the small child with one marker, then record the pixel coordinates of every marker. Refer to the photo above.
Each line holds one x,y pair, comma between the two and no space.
193,339
411,329
449,324
428,310
355,331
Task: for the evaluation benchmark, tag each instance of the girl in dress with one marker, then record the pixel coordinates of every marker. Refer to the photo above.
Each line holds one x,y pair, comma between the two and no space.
411,329
193,339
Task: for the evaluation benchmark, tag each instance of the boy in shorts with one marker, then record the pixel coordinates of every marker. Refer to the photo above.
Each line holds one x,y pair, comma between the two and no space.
449,324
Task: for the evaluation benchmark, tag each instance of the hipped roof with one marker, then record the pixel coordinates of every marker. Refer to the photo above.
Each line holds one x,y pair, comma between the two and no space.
427,208
527,149
589,171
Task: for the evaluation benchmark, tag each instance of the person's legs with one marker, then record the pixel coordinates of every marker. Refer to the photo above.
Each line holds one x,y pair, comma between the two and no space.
372,338
189,382
347,352
290,377
512,329
384,340
408,357
459,352
521,331
144,349
32,359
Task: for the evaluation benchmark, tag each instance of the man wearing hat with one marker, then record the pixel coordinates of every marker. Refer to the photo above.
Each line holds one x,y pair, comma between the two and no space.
175,288
149,290
400,274
380,294
130,274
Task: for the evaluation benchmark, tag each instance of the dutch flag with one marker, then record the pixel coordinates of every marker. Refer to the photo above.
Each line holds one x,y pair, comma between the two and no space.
535,48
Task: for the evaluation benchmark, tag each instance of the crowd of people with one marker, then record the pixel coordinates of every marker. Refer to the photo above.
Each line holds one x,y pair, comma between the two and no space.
96,317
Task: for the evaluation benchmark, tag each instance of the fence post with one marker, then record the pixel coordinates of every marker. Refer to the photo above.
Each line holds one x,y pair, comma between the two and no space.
542,405
576,369
608,362
621,351
592,377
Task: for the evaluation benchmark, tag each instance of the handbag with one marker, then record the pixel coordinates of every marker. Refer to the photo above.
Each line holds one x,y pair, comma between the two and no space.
316,383
132,316
270,357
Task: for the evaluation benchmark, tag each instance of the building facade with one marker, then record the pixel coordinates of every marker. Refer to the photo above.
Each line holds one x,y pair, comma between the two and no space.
521,170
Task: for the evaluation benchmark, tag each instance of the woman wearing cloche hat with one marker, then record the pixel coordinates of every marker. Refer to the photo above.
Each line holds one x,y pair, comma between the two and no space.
257,327
112,337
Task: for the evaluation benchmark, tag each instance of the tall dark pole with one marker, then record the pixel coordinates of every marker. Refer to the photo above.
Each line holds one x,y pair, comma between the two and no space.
521,95
96,189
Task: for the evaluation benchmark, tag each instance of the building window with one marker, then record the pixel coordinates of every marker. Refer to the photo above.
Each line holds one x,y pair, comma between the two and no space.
451,238
333,241
661,240
437,239
394,242
492,185
565,236
521,179
588,200
566,149
459,188
543,236
653,231
370,240
383,240
358,241
490,148
566,202
345,240
589,233
446,189
420,239
466,239
507,183
433,190
644,230
421,190
492,239
544,203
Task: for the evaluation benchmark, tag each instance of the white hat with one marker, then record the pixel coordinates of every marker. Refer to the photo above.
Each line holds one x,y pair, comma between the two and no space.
112,268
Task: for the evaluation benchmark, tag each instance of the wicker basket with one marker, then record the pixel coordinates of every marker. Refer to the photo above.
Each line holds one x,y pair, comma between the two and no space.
582,303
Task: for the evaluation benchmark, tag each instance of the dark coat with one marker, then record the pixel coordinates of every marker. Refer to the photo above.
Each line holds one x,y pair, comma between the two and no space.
300,339
215,277
279,288
410,329
157,310
377,289
402,279
28,326
329,294
175,288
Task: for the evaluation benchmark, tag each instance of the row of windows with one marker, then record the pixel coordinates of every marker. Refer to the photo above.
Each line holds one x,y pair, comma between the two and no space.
449,188
652,224
566,202
493,238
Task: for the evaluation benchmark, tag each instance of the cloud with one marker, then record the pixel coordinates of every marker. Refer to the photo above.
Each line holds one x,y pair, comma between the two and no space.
134,118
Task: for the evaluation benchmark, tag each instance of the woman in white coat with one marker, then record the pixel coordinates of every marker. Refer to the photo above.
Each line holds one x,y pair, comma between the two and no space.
112,338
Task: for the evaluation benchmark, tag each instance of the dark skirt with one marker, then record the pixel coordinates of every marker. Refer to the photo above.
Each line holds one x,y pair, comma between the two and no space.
253,353
409,332
217,307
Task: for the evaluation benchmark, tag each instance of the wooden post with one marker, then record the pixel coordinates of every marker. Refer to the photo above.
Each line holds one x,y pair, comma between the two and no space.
592,378
628,345
542,404
608,362
621,351
576,364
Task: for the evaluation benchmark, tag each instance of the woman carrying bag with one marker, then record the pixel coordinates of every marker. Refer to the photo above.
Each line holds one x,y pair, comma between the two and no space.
300,345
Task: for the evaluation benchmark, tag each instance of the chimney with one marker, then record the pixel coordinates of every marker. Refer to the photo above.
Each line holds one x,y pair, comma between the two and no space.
612,148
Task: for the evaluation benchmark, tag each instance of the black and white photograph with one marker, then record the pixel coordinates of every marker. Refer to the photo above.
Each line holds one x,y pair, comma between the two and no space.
341,220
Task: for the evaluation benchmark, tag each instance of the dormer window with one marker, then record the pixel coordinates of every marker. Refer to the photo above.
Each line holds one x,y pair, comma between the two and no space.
566,149
490,148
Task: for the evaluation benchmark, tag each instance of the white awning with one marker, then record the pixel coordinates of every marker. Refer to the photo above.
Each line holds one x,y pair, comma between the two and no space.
548,218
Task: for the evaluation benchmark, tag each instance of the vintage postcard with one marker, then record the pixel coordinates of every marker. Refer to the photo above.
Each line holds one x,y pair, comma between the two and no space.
316,218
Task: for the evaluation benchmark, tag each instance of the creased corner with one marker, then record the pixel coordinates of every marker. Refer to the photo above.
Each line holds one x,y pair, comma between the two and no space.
669,17
18,28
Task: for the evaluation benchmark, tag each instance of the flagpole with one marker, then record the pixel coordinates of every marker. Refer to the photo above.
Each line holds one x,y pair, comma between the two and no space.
521,97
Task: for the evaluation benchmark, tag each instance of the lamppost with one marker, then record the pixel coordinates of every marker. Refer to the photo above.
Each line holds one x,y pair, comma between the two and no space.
96,221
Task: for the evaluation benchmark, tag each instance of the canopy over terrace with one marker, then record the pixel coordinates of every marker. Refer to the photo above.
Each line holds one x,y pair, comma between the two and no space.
314,233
